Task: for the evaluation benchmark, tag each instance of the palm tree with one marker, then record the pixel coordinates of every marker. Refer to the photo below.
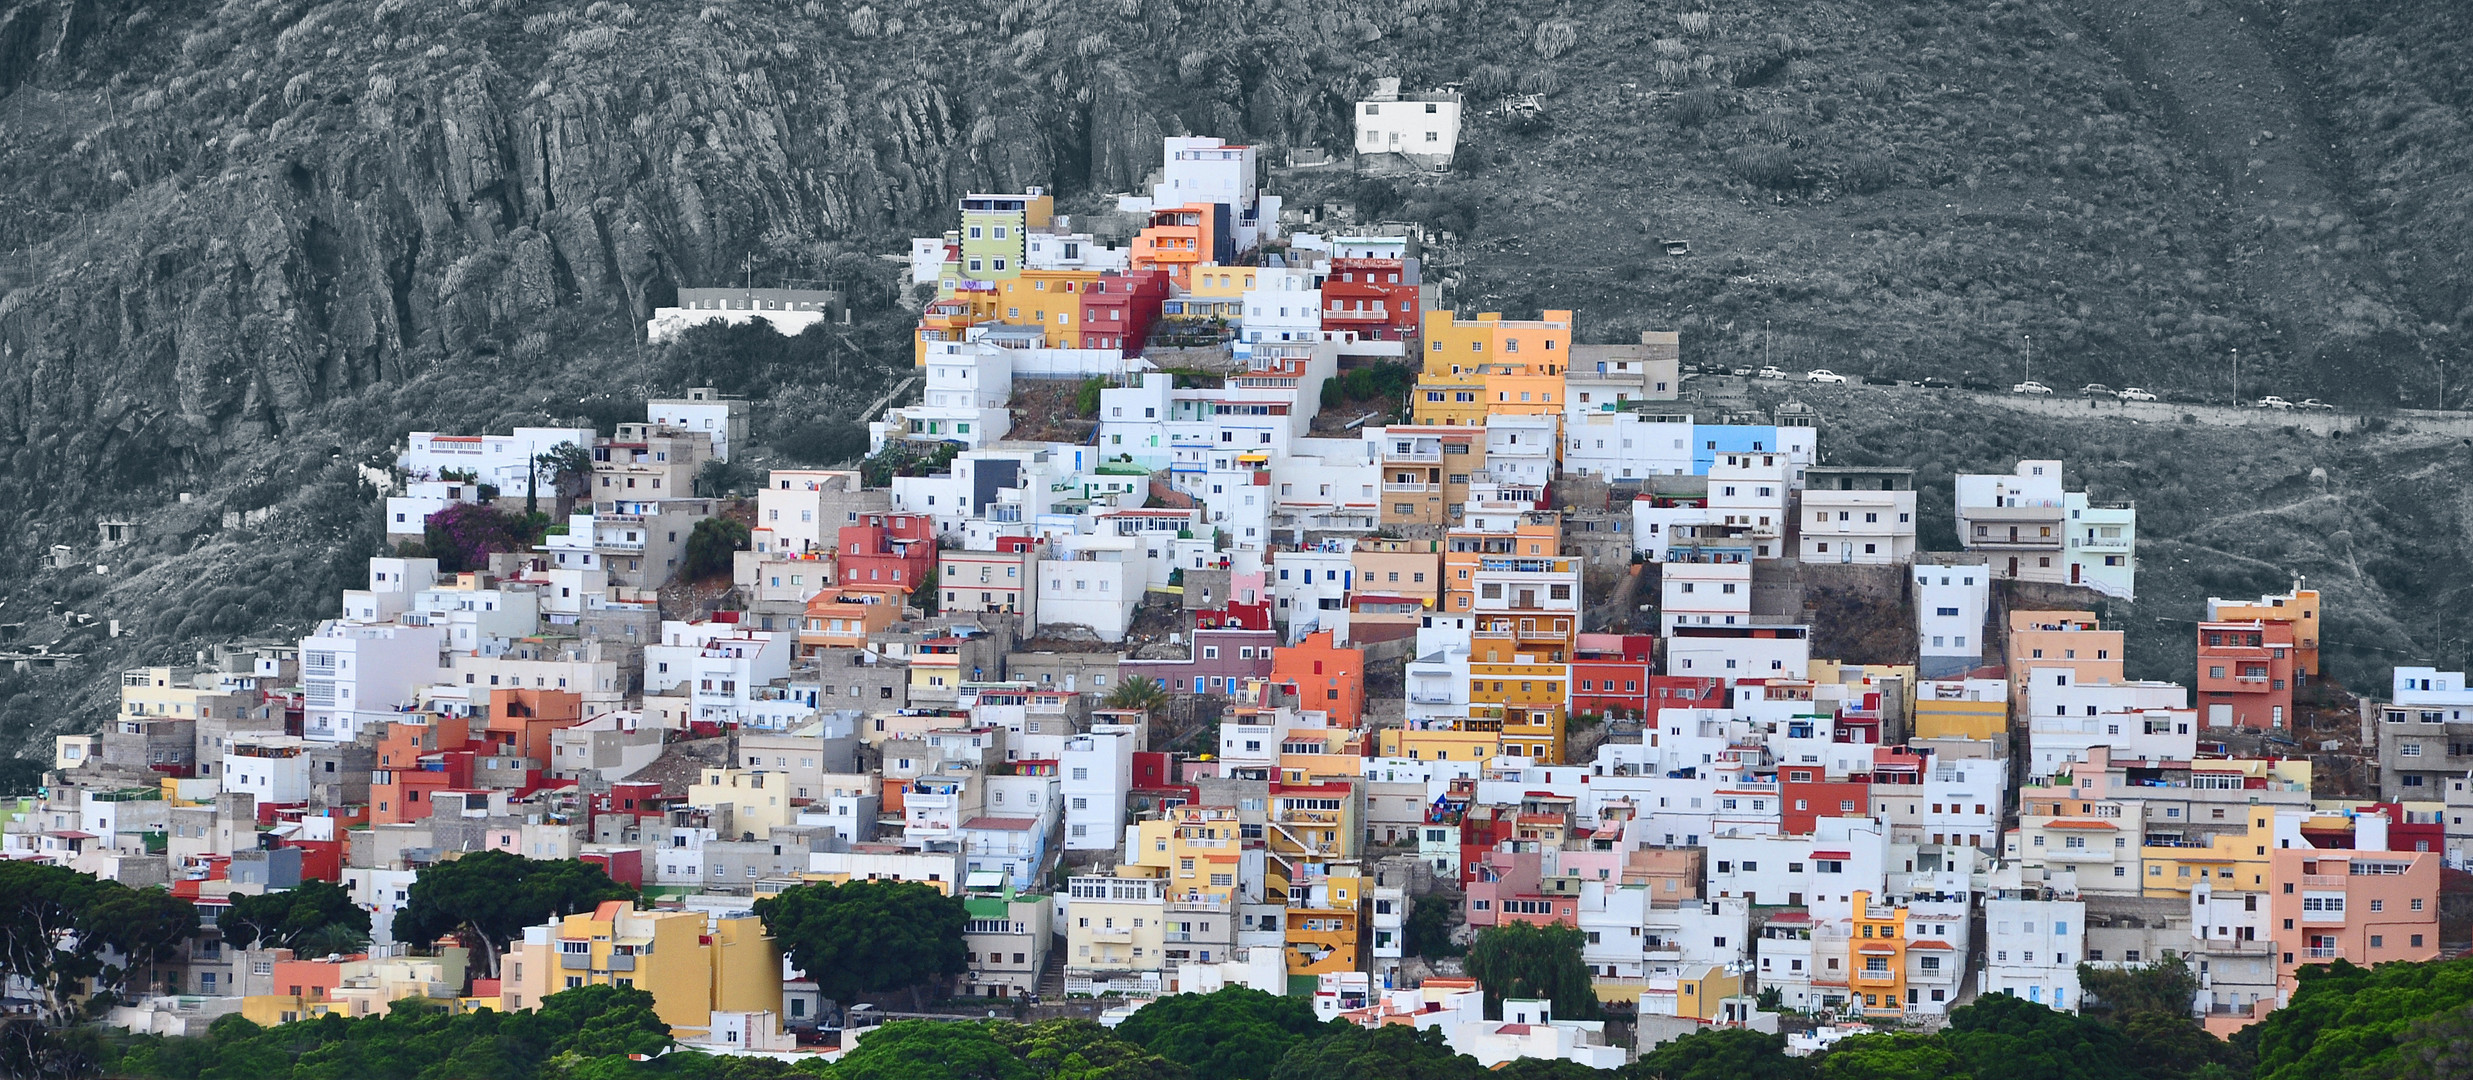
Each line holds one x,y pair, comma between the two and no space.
1139,693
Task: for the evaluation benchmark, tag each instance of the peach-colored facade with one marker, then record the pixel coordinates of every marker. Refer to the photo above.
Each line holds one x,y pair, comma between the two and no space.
2061,639
2368,907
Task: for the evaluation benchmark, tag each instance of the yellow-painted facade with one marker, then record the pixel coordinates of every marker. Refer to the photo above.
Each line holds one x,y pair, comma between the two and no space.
1961,719
1196,847
1477,367
2230,862
669,954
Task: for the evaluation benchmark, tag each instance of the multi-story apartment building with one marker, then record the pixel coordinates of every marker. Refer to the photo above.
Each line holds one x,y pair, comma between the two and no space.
1861,516
1953,595
2246,673
2072,640
1426,473
2033,948
1489,365
692,971
2298,608
2366,907
647,462
2426,740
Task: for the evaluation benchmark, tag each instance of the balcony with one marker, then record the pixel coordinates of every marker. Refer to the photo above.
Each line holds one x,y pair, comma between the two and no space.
622,962
1408,489
2323,952
575,961
1414,457
2323,881
1870,977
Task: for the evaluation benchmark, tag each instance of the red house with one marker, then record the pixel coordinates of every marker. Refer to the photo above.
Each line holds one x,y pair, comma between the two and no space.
1612,674
1377,298
1118,310
1810,795
886,550
2245,674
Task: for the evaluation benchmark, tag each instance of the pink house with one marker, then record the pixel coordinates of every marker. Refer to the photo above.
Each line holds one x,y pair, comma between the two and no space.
2368,907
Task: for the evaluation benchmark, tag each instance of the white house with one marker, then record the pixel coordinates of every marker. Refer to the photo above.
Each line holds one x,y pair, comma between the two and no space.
2033,948
2141,721
502,461
706,412
1704,594
1095,779
1092,581
1951,600
354,674
1858,516
1424,127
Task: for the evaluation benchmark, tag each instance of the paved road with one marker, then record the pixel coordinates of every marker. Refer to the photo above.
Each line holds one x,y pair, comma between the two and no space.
1726,389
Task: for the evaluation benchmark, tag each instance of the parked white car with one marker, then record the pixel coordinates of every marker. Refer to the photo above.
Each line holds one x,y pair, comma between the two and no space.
1769,373
2030,388
2314,405
2274,403
2133,393
1824,375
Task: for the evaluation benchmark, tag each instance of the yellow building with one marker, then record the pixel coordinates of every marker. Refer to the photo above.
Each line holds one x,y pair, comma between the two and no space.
1198,848
173,692
756,800
2230,862
1326,925
1217,292
1489,364
1047,299
1944,719
1525,700
1876,964
690,972
1454,739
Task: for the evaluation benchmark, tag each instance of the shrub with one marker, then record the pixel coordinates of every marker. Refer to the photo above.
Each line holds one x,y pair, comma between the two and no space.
711,546
822,442
1555,37
1767,165
1867,172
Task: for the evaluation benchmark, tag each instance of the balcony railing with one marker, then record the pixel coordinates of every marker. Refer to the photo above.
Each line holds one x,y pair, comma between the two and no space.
2323,953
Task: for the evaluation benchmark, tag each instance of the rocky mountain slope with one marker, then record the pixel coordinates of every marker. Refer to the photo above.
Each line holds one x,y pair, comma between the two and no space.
246,245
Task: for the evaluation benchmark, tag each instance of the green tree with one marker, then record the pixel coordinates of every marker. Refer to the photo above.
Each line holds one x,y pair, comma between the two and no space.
822,442
2008,1036
1430,924
868,936
567,468
1144,694
718,479
490,897
932,1050
1899,1056
1389,1052
2166,986
2346,1021
711,546
1236,1033
284,920
2164,1046
1720,1054
134,930
1082,1050
1521,960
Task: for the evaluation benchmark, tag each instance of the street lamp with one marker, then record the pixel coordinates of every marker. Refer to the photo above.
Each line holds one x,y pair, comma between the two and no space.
2030,356
2236,378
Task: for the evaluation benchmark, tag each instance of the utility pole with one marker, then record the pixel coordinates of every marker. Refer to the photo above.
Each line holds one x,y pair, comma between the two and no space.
2236,378
1766,357
2030,356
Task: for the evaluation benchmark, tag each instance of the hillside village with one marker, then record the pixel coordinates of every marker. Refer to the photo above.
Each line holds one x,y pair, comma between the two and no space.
1236,690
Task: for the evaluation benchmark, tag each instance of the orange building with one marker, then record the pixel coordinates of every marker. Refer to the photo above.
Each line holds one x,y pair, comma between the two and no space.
521,720
1046,300
414,762
950,317
1477,367
1325,676
846,618
2061,639
2298,609
1180,238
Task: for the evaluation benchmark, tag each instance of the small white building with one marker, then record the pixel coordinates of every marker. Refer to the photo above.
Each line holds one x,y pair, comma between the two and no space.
705,412
1858,516
1423,127
1951,601
2033,948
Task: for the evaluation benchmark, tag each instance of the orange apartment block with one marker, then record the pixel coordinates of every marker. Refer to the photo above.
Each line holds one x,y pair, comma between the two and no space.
2298,608
522,720
1326,676
1489,364
2061,639
950,317
846,618
1047,300
1180,238
2367,907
